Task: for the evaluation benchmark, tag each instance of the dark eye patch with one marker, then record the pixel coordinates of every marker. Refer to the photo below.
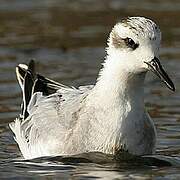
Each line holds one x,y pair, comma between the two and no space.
119,42
130,43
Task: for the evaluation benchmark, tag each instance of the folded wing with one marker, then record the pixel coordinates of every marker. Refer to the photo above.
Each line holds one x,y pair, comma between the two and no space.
47,113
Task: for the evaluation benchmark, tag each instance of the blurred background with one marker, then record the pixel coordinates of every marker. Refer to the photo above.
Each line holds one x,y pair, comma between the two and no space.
67,39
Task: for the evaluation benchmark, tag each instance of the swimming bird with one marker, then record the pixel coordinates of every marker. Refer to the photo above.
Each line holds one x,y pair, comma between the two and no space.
108,117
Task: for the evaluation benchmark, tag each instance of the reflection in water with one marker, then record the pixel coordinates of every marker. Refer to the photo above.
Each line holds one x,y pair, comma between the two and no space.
92,165
67,39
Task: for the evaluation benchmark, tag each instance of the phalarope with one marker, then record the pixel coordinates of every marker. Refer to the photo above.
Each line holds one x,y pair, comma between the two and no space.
107,117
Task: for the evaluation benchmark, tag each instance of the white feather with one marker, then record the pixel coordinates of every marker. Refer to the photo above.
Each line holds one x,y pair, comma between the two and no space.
108,117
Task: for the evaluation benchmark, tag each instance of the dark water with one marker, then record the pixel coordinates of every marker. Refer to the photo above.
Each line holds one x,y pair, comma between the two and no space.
67,39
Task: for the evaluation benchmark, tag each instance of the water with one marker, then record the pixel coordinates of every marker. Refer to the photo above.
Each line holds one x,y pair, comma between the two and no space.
67,39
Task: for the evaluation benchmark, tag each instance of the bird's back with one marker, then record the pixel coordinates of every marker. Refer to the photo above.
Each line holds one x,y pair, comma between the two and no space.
47,120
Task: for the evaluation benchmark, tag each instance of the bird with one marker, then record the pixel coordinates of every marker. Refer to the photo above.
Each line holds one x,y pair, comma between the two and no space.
108,117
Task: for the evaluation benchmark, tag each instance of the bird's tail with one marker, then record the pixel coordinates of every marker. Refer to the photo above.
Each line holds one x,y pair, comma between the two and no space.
26,77
30,83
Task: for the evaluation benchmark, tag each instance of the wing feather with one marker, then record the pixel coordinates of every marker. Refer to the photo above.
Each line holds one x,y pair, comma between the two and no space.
48,101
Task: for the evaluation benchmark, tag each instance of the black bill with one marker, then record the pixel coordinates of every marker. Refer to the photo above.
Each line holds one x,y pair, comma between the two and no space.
156,67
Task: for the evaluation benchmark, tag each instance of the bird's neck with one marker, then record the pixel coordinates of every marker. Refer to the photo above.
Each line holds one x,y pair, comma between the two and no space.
116,83
118,98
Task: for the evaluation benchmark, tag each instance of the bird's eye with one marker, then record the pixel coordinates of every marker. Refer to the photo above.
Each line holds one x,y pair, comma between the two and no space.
130,43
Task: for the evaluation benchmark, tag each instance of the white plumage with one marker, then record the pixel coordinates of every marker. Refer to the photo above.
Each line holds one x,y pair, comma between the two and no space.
108,117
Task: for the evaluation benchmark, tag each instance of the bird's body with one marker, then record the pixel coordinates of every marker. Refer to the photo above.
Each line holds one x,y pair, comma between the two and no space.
108,117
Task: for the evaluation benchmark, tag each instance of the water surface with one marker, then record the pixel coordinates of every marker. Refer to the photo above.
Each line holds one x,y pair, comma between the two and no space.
67,39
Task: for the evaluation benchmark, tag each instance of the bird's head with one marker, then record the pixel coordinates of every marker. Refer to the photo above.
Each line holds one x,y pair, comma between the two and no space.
136,41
